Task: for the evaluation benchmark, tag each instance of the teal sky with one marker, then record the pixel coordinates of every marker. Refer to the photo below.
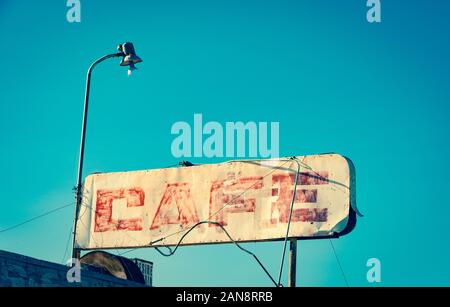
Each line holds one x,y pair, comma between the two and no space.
377,93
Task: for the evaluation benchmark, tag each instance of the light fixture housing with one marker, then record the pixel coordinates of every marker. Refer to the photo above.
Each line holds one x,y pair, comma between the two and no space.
130,58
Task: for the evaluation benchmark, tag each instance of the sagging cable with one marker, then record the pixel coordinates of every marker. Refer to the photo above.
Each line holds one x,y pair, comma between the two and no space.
172,251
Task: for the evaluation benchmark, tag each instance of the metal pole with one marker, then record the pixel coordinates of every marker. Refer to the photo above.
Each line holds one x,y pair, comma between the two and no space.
78,188
292,262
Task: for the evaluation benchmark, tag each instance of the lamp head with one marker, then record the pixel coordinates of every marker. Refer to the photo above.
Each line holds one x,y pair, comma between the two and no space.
129,55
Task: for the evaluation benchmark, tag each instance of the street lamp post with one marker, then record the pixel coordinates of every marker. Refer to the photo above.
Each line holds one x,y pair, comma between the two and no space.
129,58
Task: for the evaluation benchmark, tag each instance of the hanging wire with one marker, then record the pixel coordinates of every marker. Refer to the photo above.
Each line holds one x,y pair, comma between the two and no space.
128,251
278,284
171,252
35,218
67,246
339,263
289,222
91,235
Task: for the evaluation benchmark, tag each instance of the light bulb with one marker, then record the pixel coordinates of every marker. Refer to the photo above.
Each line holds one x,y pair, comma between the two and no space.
131,69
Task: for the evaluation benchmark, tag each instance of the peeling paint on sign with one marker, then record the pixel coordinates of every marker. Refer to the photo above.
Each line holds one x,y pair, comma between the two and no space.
251,199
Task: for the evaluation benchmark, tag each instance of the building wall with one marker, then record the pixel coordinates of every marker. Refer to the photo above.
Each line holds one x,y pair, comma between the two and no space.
22,271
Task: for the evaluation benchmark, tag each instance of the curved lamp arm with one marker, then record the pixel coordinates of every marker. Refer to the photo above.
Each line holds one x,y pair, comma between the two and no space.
78,187
85,113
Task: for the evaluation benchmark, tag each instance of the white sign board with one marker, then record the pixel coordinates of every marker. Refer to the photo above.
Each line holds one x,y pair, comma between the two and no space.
251,199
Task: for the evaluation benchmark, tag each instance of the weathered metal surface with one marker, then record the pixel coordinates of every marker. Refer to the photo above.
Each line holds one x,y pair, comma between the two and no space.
251,199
